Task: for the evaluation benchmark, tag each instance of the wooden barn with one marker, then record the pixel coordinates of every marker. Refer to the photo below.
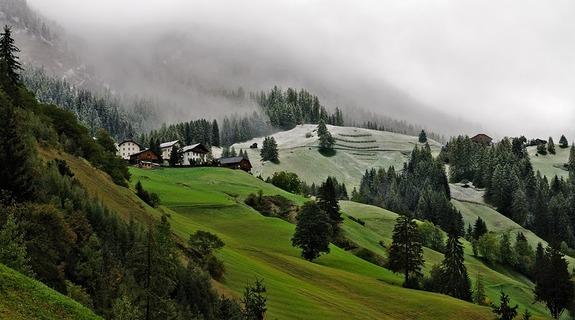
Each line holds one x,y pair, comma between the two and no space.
145,156
236,163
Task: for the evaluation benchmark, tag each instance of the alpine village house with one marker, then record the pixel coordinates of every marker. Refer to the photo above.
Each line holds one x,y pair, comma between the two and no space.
192,155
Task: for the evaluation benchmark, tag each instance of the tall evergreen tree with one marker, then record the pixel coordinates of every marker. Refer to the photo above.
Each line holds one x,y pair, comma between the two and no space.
454,279
215,134
313,231
176,156
326,141
269,150
571,163
479,228
422,137
328,202
10,67
563,143
551,146
553,284
405,252
479,296
17,153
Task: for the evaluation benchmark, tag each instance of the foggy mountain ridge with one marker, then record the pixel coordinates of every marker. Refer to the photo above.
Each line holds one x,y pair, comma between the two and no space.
182,70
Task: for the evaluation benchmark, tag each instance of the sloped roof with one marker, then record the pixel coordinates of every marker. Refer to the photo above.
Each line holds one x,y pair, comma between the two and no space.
194,146
129,140
168,144
231,160
481,136
142,151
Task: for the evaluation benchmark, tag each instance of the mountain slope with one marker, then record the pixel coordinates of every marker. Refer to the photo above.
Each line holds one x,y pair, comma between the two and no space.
550,165
337,285
22,298
356,151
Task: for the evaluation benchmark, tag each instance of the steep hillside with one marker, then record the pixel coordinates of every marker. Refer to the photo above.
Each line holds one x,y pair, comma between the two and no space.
379,226
336,285
550,165
22,298
356,151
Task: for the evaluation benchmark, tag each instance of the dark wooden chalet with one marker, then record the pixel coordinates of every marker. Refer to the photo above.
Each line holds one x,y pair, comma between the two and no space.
236,163
145,156
482,138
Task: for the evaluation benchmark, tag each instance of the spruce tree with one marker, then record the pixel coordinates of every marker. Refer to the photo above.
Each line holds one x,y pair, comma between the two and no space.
551,146
269,150
215,134
563,143
10,67
454,278
571,163
326,141
504,311
520,207
328,202
422,137
479,229
313,231
541,149
405,252
17,153
553,284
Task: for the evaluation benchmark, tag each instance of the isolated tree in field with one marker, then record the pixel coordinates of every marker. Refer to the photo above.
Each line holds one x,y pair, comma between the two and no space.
10,67
328,202
479,296
269,150
553,284
551,146
313,231
454,278
405,252
563,143
254,301
422,137
504,311
326,141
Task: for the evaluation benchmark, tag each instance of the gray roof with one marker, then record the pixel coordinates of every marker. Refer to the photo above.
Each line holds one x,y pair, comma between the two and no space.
168,144
231,160
193,146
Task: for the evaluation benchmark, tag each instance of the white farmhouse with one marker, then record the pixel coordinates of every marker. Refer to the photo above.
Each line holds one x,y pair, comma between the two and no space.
127,148
194,154
166,148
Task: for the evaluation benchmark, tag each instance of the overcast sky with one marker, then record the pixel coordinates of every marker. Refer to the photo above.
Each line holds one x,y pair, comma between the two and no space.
508,65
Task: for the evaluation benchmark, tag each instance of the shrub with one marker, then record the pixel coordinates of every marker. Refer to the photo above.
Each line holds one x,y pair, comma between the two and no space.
151,199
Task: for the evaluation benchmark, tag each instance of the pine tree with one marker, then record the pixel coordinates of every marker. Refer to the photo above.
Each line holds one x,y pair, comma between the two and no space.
571,163
405,252
269,150
422,137
553,284
328,202
9,65
326,141
17,153
454,278
479,229
563,143
504,311
520,207
313,231
215,134
479,296
233,152
541,149
506,253
551,146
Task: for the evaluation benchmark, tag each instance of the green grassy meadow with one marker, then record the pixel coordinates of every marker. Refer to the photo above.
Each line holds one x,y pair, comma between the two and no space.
338,285
22,298
550,165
